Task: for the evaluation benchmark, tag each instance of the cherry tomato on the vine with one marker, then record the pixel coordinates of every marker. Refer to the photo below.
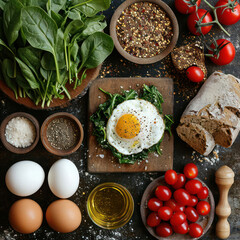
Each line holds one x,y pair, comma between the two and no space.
165,213
182,228
203,208
195,74
163,193
154,204
193,186
190,170
193,201
203,193
191,214
228,16
194,18
226,54
170,177
178,218
187,7
195,230
182,196
164,230
180,181
153,219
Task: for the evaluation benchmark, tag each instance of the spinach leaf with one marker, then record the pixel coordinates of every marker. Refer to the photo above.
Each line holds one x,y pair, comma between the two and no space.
56,5
7,65
6,46
12,20
2,4
21,81
74,14
57,18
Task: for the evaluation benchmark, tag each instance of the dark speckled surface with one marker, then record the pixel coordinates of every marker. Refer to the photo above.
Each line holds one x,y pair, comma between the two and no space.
115,66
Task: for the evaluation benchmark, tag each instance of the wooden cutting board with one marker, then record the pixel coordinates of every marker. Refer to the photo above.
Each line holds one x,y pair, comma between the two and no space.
101,160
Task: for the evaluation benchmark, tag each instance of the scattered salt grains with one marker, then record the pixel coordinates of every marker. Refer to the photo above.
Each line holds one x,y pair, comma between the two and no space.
20,132
212,159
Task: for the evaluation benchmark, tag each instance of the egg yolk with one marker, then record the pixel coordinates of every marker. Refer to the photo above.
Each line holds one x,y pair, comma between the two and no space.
128,126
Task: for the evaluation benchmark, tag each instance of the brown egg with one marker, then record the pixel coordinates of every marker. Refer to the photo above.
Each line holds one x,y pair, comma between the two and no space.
63,216
25,216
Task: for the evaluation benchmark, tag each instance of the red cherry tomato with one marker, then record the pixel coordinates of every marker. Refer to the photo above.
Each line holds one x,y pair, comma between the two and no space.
195,230
163,193
226,54
193,201
203,193
203,208
181,196
154,204
171,203
227,16
182,228
165,213
195,17
180,181
164,230
185,7
193,186
190,170
178,218
191,214
153,219
195,74
170,177
179,208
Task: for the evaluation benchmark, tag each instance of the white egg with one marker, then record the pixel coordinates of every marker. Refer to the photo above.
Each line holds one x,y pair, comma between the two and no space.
24,178
63,178
134,125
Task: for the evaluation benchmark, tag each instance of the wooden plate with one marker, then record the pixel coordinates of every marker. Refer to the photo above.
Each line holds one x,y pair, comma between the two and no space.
79,91
102,160
204,221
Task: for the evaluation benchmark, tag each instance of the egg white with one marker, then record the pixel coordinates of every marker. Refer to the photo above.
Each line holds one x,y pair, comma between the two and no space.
151,130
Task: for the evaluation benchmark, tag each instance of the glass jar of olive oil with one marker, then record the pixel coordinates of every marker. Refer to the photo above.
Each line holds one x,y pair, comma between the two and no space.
110,205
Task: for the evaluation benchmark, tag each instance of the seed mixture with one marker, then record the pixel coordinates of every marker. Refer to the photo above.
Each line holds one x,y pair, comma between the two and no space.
62,133
144,30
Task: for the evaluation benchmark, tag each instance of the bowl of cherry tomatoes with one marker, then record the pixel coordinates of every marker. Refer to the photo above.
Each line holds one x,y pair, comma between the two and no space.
178,206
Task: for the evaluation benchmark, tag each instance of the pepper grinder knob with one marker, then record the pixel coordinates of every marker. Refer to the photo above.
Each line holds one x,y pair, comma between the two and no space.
224,178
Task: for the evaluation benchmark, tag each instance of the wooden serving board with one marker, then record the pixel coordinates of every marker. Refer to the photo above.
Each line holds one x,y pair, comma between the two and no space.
101,160
79,91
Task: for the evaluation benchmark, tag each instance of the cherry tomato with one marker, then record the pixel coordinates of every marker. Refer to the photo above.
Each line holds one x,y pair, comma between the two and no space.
190,170
178,218
191,214
195,230
226,54
153,219
171,203
163,193
180,181
181,196
193,201
185,7
203,193
170,177
165,213
182,228
154,204
194,18
195,74
193,186
203,208
164,230
227,16
179,208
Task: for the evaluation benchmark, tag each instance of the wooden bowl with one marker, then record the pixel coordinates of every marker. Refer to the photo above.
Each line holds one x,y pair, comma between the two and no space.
138,60
9,146
204,221
45,141
80,91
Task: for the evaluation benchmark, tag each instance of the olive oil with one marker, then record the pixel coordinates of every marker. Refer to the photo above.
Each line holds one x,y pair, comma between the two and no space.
110,205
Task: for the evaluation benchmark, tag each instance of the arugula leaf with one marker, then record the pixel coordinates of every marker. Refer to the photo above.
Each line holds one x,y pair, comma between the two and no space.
168,120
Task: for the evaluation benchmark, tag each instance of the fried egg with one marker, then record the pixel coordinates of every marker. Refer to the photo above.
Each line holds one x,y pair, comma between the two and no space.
133,126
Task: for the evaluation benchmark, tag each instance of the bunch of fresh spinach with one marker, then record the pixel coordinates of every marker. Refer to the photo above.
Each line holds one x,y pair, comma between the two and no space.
45,44
101,116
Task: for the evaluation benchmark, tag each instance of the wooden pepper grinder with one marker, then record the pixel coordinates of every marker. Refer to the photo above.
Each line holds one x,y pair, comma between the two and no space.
224,178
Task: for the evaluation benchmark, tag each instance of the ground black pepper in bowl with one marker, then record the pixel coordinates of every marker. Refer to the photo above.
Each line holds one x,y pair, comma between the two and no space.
62,133
144,30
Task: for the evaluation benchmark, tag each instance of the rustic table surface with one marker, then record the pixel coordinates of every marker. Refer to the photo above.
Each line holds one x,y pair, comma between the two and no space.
136,183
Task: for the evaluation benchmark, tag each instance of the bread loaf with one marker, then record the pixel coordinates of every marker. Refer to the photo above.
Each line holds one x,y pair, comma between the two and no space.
216,108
